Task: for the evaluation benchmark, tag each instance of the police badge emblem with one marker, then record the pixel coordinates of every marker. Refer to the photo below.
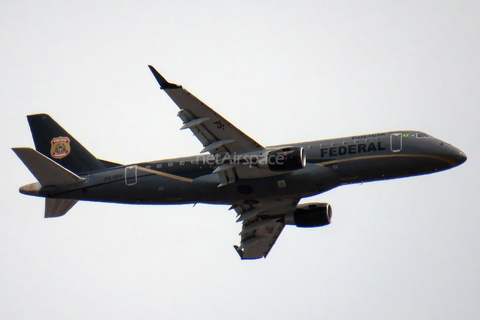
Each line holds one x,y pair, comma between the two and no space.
60,147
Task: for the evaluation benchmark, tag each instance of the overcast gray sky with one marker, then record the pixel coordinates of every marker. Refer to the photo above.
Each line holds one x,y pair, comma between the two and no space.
282,71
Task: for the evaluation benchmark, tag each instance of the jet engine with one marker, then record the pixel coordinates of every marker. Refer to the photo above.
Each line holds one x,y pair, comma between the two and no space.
284,159
310,215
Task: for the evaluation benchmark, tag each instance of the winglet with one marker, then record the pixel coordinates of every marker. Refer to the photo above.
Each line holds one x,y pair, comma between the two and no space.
164,84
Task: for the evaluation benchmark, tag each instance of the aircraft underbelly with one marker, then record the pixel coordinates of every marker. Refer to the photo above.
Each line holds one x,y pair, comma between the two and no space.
309,181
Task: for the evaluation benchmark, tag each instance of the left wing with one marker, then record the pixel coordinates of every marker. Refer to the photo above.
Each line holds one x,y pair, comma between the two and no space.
217,135
262,225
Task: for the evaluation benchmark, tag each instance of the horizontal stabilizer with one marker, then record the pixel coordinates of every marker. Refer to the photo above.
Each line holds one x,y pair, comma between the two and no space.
47,171
57,207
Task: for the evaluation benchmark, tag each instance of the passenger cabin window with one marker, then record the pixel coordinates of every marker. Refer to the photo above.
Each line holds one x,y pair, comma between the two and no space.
170,164
422,135
159,165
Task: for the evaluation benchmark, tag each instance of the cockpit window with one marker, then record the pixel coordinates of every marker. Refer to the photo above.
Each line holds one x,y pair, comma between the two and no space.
422,135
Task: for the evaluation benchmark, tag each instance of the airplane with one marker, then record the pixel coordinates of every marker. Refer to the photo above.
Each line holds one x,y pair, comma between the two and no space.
263,185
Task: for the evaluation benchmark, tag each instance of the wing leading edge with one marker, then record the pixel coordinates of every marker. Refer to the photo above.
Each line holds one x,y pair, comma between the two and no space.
217,135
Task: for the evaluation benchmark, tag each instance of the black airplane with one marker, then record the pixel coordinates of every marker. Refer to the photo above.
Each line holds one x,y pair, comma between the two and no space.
262,184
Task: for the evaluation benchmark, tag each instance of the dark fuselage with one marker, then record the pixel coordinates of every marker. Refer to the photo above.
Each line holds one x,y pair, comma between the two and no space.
330,163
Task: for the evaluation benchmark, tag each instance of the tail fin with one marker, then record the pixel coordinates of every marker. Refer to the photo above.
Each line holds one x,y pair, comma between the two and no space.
55,143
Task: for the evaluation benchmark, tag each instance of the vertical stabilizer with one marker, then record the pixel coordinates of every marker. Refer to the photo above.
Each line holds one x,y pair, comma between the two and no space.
56,143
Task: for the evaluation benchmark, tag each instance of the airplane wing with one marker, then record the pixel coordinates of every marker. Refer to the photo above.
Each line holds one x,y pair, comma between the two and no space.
262,225
217,135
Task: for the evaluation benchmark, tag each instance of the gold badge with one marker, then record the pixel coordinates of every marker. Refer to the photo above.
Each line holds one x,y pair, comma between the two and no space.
60,147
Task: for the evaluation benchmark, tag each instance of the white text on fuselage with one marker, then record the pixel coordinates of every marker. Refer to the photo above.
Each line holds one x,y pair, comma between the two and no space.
369,136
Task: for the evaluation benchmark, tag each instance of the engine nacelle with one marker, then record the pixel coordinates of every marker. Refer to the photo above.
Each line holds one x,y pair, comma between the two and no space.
310,215
284,159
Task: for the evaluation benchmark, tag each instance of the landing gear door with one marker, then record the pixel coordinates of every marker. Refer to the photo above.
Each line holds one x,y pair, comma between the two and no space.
396,142
131,175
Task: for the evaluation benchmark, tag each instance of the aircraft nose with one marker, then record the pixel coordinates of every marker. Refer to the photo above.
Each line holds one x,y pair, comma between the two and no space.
459,157
456,156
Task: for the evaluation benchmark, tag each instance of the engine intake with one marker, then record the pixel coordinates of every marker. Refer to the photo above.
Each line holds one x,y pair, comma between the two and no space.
310,215
285,159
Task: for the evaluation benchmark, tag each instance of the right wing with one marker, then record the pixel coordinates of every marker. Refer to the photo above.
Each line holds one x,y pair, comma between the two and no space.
262,225
217,135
